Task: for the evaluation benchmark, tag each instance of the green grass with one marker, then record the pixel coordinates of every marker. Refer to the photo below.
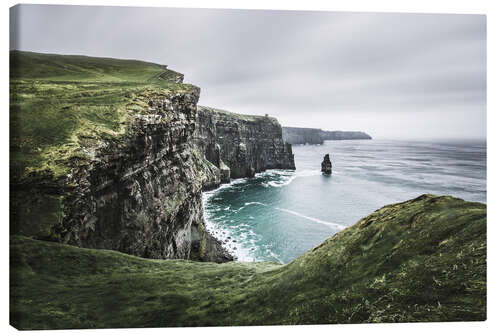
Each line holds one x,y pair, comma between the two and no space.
70,68
244,117
421,260
60,105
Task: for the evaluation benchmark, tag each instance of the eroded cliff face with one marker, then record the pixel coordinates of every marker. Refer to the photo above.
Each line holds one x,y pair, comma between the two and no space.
139,194
344,135
300,136
241,145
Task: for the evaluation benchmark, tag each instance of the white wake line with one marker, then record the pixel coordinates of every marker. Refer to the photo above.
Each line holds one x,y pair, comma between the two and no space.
251,203
330,224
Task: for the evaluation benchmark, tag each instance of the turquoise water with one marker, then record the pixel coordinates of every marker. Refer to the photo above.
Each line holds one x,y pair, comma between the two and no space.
280,214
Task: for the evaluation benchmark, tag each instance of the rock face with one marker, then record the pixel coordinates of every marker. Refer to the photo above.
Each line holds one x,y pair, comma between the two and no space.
326,165
344,135
298,135
241,145
301,136
140,194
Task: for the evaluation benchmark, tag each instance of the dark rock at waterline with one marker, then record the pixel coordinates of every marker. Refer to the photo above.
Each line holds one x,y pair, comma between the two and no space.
326,165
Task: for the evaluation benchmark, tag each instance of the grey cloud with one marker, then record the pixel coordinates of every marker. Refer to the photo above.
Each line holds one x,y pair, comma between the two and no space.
334,69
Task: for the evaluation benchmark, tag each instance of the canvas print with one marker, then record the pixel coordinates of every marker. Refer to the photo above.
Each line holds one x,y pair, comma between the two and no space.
220,167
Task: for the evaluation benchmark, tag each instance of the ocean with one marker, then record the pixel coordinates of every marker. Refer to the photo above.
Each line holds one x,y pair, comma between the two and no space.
280,214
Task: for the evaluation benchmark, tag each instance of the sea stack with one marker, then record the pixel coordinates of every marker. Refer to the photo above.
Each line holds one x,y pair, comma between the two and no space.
326,165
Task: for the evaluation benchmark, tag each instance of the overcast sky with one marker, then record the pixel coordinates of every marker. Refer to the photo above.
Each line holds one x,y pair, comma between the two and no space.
391,75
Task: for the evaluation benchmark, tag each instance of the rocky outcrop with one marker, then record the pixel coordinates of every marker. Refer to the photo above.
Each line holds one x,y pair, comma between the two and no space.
139,194
298,135
241,145
326,165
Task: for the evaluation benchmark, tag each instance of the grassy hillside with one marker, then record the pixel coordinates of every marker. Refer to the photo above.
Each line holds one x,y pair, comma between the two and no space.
420,260
59,105
56,67
244,117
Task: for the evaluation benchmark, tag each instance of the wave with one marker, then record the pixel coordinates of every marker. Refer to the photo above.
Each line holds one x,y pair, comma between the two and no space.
208,194
237,244
329,224
278,183
255,203
243,241
287,176
251,203
274,172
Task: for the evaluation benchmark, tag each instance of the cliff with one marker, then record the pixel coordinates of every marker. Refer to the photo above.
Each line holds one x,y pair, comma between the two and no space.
109,154
419,260
298,135
344,135
241,145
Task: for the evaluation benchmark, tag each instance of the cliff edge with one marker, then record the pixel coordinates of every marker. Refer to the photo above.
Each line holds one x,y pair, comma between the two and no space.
299,135
241,145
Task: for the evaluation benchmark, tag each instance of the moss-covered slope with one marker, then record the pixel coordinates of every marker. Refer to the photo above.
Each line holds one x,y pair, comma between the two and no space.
59,104
420,260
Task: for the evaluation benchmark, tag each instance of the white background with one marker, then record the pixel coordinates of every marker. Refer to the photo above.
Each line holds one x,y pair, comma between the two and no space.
420,6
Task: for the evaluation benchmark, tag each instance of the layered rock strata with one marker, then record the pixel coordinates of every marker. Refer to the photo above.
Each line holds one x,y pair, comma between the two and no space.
139,194
241,145
298,135
344,135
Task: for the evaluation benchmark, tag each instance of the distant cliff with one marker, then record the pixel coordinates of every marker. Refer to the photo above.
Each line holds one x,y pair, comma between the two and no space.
241,145
299,135
344,135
